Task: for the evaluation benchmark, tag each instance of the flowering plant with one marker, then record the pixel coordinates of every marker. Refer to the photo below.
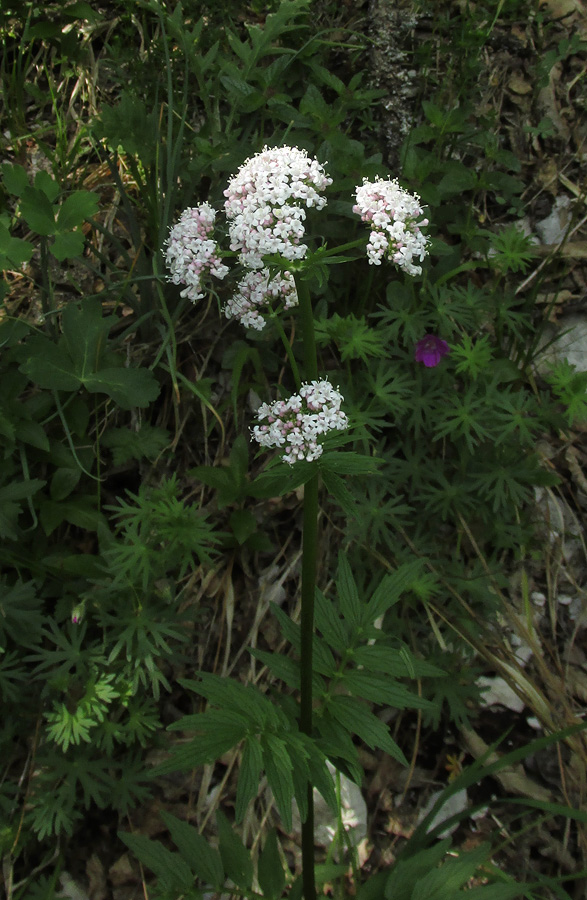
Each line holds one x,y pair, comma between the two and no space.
266,207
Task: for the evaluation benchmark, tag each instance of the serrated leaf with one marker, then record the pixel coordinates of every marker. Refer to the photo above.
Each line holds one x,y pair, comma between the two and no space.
381,689
347,462
127,387
203,860
390,590
348,595
270,869
78,207
337,489
236,858
218,731
328,621
358,719
278,768
37,211
67,245
248,776
171,870
382,658
15,178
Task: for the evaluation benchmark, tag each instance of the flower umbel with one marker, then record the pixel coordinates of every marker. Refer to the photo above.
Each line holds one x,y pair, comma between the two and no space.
191,252
395,230
430,350
297,423
257,290
265,203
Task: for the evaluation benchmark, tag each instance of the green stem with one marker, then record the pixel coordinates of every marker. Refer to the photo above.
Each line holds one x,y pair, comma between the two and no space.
288,350
309,557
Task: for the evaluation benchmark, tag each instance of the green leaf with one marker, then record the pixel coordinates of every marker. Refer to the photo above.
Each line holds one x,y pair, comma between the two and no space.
171,870
37,211
217,732
78,207
348,595
341,494
15,178
127,387
13,251
348,463
243,524
390,590
236,858
49,366
68,244
146,443
80,511
130,125
248,777
358,719
85,331
278,768
447,881
63,482
381,689
45,183
203,860
270,869
32,433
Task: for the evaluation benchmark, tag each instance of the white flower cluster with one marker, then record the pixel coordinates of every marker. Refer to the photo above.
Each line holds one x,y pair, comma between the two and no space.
256,290
265,203
191,252
395,230
297,423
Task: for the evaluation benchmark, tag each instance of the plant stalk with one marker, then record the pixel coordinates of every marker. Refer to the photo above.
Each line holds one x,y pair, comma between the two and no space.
309,556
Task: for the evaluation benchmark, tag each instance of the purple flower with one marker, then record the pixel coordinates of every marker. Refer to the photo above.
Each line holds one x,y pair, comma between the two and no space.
430,350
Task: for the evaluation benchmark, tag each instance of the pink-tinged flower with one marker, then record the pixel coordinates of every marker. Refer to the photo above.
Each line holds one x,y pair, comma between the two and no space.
257,291
430,350
191,252
395,217
296,424
265,203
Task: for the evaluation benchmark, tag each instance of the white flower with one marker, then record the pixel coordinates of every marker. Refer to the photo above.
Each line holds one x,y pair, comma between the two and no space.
191,252
264,203
393,215
299,421
257,290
